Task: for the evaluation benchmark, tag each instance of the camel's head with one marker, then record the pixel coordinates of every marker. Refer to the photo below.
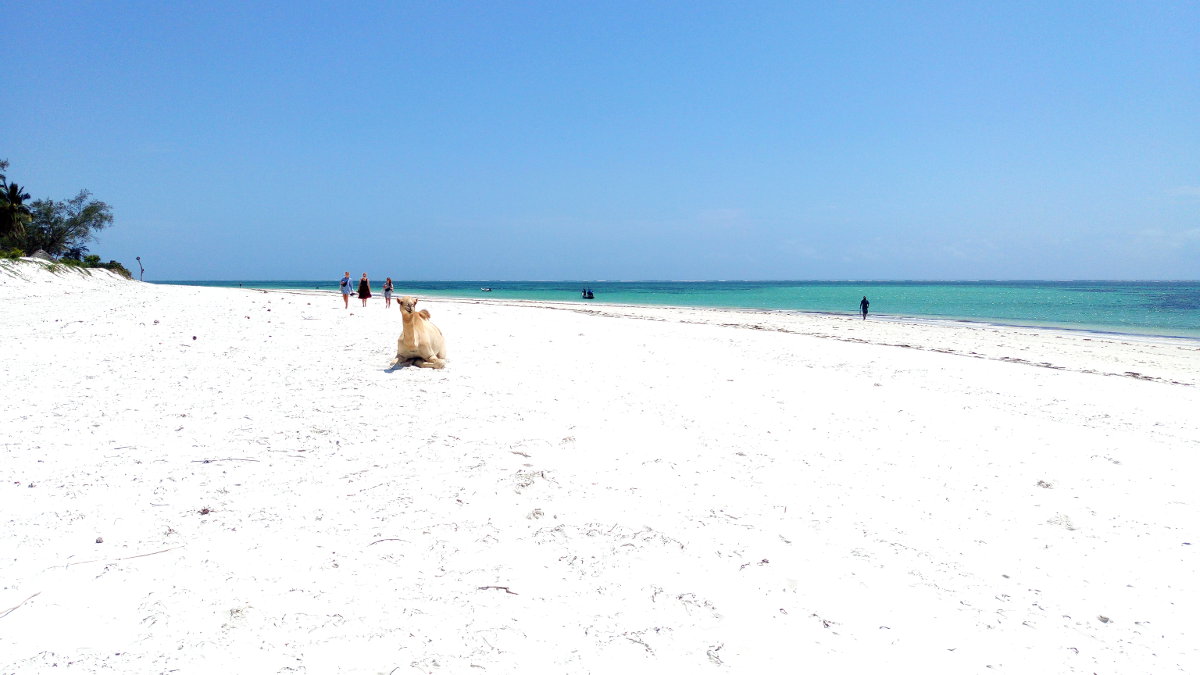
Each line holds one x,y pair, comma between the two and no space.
408,304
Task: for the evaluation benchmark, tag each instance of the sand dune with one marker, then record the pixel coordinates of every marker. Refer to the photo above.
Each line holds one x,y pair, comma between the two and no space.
203,479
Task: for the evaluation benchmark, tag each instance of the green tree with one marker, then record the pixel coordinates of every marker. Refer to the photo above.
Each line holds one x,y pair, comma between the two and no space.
65,228
14,213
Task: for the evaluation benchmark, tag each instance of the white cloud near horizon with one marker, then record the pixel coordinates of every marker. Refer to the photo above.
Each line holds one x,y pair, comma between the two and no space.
1170,238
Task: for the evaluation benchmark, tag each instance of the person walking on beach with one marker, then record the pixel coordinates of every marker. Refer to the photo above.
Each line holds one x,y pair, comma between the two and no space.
387,293
364,289
863,305
346,290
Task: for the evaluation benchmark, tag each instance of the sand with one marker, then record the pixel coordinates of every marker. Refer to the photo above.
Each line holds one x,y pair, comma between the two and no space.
202,480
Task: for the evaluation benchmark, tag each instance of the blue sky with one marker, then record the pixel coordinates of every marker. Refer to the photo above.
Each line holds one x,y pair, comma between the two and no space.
618,140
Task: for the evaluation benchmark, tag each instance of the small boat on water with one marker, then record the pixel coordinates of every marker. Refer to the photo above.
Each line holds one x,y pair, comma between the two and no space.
588,294
486,290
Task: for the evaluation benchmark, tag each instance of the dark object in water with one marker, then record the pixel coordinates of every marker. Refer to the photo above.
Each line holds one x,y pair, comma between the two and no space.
587,294
486,290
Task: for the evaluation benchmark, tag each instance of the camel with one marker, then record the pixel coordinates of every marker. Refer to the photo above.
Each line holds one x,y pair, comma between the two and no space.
421,343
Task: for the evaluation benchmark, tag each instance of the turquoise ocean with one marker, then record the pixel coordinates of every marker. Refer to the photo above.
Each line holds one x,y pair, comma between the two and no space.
1168,308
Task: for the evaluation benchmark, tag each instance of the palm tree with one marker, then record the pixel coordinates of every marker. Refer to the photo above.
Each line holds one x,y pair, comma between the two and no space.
13,211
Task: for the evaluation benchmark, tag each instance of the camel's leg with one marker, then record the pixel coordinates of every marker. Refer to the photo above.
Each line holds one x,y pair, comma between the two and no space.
405,361
432,362
441,352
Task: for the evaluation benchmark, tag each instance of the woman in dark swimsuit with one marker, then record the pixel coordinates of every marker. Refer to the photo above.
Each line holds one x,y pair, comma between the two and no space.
364,289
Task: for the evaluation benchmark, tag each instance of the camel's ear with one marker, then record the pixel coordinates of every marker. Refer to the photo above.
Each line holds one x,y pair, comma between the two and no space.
424,313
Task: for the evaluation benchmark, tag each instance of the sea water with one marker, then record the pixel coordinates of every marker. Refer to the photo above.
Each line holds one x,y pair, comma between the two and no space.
1133,307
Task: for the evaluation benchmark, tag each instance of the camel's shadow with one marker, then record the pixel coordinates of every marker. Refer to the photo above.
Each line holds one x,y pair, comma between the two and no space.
414,362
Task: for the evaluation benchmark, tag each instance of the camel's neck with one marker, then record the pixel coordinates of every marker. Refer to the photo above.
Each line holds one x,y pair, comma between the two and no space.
409,334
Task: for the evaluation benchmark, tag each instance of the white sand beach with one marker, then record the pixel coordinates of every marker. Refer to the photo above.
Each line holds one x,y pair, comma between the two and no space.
203,480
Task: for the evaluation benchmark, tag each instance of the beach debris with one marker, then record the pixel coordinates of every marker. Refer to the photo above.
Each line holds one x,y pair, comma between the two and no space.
691,600
99,540
535,514
506,589
827,623
382,540
193,337
14,608
1063,520
524,479
205,511
1103,619
712,653
637,639
130,557
1044,484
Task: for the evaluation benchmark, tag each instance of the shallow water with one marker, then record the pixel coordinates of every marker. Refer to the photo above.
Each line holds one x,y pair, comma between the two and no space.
1136,307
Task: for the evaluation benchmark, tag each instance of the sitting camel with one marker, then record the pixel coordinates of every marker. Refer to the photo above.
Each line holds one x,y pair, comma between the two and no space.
420,342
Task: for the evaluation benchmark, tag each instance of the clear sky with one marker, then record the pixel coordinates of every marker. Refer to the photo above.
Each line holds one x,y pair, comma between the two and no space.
618,140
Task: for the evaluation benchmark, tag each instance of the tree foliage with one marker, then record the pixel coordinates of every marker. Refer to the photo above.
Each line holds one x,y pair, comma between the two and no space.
14,212
64,229
93,261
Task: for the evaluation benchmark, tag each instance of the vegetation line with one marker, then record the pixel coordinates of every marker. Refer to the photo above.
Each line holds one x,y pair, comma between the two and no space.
56,231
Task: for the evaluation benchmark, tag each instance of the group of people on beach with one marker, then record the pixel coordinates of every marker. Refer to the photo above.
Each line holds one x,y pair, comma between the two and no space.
364,290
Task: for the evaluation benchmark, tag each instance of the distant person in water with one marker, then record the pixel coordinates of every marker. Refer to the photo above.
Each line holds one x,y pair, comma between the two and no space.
387,293
346,289
364,289
863,305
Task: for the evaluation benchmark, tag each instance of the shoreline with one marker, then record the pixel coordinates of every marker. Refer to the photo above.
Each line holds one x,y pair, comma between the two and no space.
234,479
915,332
1098,329
896,318
839,323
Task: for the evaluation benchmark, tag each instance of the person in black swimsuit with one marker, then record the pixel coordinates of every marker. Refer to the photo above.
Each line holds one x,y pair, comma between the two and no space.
364,289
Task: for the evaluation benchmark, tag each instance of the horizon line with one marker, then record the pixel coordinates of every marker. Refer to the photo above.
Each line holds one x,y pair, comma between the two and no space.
707,281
